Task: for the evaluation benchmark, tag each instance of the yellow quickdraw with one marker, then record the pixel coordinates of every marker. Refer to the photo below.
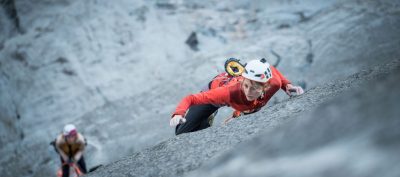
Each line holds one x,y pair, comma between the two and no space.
233,67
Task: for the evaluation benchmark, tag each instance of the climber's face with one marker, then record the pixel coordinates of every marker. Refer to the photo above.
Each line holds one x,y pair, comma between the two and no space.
252,89
71,138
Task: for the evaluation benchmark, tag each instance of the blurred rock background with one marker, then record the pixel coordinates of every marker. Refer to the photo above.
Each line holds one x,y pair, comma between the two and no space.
117,69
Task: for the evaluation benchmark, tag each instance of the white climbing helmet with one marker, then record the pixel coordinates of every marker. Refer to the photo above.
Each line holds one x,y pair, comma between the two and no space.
257,70
69,130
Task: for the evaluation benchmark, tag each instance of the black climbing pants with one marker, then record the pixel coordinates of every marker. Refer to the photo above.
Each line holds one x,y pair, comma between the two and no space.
65,168
197,118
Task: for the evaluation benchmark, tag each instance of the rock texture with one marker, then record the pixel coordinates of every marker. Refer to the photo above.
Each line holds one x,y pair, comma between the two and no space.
355,134
351,130
118,68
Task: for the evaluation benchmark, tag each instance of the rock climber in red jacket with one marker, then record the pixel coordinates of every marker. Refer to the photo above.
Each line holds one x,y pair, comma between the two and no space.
246,94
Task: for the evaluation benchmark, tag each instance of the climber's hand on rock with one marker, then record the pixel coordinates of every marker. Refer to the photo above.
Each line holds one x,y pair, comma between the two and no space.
290,89
176,120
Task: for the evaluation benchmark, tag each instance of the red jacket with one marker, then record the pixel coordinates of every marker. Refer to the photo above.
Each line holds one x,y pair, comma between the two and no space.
231,94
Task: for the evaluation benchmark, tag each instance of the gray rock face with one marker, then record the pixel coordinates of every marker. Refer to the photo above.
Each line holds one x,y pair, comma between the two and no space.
355,134
343,125
118,69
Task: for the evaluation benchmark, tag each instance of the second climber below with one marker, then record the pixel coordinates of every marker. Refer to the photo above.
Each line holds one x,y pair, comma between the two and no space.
246,93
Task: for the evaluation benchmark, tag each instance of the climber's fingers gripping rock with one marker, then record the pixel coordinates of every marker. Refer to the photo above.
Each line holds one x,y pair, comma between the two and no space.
176,119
